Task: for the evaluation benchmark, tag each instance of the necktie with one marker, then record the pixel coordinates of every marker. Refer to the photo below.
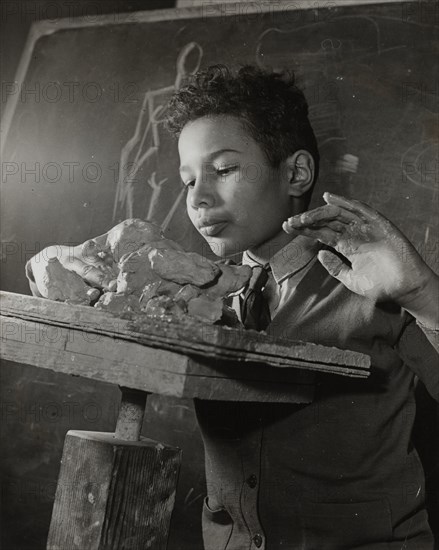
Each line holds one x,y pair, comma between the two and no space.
255,313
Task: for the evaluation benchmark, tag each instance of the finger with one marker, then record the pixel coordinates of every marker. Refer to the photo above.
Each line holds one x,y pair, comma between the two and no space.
359,208
93,252
334,265
325,213
93,294
322,234
338,227
335,225
360,284
321,216
101,277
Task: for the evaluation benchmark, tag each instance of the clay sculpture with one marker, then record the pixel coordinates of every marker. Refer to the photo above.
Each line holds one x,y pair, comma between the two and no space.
156,277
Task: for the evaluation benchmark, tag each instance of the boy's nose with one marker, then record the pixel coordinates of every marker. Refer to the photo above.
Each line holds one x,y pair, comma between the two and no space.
202,195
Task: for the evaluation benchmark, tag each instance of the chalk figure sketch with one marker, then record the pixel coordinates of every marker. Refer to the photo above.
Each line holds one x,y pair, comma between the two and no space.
143,146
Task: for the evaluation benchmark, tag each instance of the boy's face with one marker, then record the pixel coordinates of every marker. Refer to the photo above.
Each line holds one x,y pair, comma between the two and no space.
235,198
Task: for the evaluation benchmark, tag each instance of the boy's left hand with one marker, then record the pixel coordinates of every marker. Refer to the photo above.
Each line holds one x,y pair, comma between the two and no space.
384,264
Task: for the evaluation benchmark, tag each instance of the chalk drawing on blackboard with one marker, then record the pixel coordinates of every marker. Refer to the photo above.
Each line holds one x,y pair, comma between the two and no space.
420,164
325,113
426,234
338,34
144,145
156,188
330,44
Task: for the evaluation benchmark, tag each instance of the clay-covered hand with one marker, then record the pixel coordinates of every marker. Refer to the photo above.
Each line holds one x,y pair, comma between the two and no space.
68,274
382,263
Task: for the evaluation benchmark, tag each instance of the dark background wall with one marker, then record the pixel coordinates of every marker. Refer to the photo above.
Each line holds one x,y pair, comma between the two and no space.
39,407
369,73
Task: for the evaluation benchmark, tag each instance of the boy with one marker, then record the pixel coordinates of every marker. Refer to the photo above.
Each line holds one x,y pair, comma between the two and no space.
340,473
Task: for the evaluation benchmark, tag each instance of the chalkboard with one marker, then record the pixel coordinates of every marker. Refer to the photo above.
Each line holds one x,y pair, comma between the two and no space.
83,139
370,75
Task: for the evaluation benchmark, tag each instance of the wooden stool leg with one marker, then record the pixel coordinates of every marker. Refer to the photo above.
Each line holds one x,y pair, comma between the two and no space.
131,413
115,491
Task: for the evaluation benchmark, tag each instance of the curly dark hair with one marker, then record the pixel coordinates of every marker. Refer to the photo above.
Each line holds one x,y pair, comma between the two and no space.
272,108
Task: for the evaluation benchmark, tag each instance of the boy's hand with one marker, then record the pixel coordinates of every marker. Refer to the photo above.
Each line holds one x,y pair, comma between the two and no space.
384,264
90,260
60,272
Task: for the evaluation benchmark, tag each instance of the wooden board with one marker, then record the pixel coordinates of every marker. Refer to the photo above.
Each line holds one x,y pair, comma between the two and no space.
189,338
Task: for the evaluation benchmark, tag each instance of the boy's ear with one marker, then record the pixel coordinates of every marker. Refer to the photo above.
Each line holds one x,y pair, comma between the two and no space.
300,172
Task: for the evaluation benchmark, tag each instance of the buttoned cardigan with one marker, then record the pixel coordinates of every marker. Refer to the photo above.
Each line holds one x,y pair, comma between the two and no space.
340,472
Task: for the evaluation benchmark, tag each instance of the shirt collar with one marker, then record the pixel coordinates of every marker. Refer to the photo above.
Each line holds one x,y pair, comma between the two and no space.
293,257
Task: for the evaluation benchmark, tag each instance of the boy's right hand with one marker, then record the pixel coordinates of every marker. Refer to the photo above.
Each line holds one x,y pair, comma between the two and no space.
383,265
91,261
66,273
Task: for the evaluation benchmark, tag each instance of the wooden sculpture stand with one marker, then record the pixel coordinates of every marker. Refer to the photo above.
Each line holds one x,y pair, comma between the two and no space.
116,491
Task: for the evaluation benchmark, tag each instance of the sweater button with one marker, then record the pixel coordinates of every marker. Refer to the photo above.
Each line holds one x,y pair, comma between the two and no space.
257,539
252,481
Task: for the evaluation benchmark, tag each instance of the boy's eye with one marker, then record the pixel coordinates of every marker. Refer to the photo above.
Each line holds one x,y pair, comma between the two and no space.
226,170
220,171
188,183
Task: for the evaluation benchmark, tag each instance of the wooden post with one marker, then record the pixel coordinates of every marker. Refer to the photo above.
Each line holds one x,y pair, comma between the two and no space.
132,410
115,491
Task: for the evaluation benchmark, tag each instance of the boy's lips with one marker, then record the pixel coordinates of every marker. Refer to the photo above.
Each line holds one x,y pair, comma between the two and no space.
209,228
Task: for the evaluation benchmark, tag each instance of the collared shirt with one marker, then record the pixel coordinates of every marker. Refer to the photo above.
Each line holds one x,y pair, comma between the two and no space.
288,266
341,472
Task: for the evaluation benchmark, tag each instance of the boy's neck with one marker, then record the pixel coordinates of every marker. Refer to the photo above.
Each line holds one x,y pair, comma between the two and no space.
266,250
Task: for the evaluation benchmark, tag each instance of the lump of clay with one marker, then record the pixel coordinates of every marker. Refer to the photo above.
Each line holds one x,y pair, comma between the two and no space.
135,272
118,303
166,243
149,291
60,284
159,288
154,275
163,306
168,288
205,309
186,293
231,279
183,267
130,235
